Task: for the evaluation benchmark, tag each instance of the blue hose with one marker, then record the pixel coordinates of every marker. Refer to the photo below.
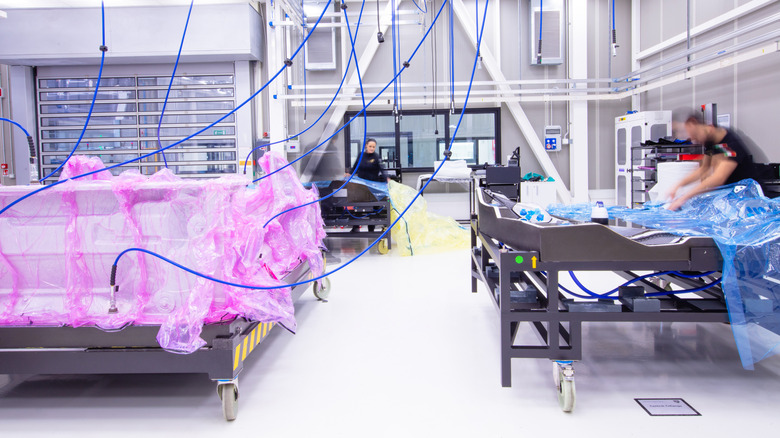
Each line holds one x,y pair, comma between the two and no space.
365,127
17,124
397,34
592,295
642,277
167,93
418,6
381,236
452,61
341,84
395,59
273,78
613,14
365,107
304,90
94,96
303,23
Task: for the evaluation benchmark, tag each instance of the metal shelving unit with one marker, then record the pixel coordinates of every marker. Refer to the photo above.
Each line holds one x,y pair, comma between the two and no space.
644,166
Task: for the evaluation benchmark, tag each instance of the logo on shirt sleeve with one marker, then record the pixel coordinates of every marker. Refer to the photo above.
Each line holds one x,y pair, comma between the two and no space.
724,149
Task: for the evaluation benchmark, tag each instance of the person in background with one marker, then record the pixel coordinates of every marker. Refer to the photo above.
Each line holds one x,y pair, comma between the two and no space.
370,169
726,157
371,164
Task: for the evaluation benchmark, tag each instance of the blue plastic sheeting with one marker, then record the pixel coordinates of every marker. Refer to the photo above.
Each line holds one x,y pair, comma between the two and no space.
379,189
575,212
746,226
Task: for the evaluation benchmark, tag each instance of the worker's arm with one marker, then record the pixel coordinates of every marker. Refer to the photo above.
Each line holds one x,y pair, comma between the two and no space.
722,168
696,175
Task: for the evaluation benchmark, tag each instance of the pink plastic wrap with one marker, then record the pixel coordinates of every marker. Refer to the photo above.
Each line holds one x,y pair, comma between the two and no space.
57,248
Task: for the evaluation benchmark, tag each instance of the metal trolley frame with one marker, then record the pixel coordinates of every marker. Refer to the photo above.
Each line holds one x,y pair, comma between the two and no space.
134,349
344,213
523,286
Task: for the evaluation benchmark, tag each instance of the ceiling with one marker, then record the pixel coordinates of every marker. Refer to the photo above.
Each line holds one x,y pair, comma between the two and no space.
27,4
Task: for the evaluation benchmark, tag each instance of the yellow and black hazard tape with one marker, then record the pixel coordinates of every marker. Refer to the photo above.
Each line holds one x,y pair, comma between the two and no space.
249,341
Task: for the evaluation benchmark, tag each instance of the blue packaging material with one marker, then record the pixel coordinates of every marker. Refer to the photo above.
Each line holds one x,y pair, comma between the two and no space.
746,227
379,189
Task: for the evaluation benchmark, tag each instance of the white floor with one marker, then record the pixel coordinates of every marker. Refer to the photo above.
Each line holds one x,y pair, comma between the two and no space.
403,348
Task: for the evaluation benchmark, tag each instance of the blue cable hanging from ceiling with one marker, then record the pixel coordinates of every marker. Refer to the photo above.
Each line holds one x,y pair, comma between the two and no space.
452,61
303,24
167,93
397,34
395,62
103,50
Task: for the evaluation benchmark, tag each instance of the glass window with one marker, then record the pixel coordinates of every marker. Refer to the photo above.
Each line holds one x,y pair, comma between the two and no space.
84,108
175,119
90,133
379,127
186,94
192,143
186,80
79,121
87,83
184,132
476,140
193,156
88,95
186,106
90,146
420,139
118,120
621,146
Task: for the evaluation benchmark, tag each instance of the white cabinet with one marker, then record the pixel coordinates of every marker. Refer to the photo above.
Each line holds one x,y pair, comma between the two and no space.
630,131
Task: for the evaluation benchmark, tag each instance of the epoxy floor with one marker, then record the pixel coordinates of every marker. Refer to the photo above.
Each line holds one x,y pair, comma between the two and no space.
404,349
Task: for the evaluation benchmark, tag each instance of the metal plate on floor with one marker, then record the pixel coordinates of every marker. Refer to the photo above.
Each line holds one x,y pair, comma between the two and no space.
667,407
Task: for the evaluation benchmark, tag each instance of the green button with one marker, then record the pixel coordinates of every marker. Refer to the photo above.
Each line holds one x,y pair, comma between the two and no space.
519,259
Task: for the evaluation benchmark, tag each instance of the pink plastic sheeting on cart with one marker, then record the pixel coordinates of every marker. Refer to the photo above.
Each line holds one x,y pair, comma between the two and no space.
57,248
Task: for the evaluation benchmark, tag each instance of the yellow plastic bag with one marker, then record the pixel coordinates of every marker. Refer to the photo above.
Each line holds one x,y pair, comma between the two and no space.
421,232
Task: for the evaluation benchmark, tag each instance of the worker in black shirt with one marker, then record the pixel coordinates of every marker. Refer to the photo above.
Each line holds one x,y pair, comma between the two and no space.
370,169
726,159
371,164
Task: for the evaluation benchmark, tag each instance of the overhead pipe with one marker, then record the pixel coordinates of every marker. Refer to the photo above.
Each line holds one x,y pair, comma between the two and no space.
703,46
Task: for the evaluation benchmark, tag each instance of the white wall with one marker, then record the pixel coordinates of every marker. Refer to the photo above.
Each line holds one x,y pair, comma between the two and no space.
748,91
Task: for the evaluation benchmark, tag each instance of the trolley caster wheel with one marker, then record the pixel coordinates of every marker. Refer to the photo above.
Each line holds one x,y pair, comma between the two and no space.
382,247
322,292
563,374
228,393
